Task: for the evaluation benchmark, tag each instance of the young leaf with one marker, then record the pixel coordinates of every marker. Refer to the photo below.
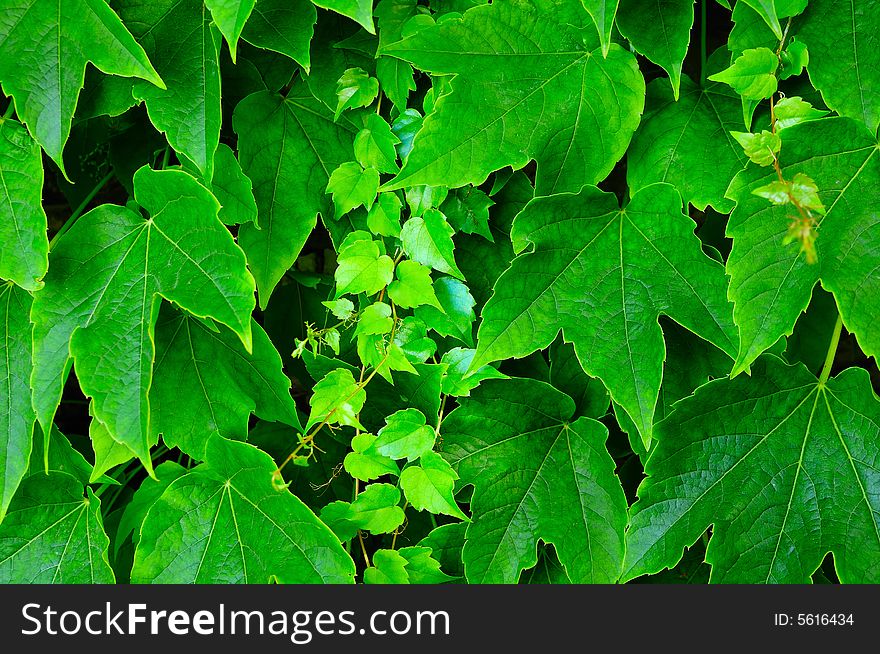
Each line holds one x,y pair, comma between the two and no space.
794,110
355,89
752,75
428,486
767,10
428,240
361,268
44,49
352,187
226,383
770,284
336,399
478,128
383,219
453,315
761,148
54,534
458,380
375,510
797,457
468,211
233,189
365,462
405,435
102,294
374,146
24,259
225,522
289,188
535,476
389,567
17,420
603,275
413,286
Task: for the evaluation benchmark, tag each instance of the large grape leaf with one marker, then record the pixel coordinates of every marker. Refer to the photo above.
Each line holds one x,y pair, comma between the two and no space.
547,95
184,46
24,257
659,30
226,522
54,534
771,283
44,48
17,417
843,37
288,146
536,476
603,275
687,142
785,468
226,383
101,298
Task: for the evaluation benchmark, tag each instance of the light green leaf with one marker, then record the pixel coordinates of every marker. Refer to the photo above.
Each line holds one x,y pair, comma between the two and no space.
536,476
413,286
376,509
794,110
688,143
396,80
44,49
233,189
798,455
374,145
405,435
365,462
603,13
143,499
102,292
188,111
230,17
109,452
660,31
287,146
225,383
603,276
513,100
24,258
383,219
752,75
428,486
770,284
458,380
454,313
761,148
342,308
355,89
17,419
361,268
375,319
422,567
389,567
795,58
352,187
428,240
225,522
53,534
336,399
767,10
421,198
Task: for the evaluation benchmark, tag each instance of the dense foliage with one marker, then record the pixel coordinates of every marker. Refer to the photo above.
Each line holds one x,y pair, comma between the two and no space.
439,291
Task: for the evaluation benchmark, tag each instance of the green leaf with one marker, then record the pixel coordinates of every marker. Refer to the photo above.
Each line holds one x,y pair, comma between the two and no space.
566,375
225,522
396,80
767,10
761,148
44,49
428,240
352,187
383,219
801,189
422,567
336,399
752,75
374,146
459,380
230,17
360,11
109,453
428,486
289,189
794,110
770,284
225,382
188,111
795,58
405,435
421,198
603,276
468,211
22,219
389,567
660,31
453,315
845,61
143,499
688,143
342,309
101,298
375,510
17,420
233,189
413,286
536,476
361,268
355,89
503,111
284,26
365,462
375,319
795,480
53,534
603,13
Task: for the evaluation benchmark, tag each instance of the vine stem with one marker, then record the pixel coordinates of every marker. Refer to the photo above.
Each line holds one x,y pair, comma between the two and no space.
79,210
832,350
